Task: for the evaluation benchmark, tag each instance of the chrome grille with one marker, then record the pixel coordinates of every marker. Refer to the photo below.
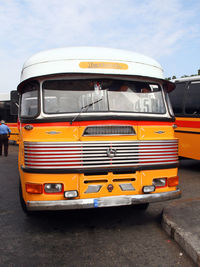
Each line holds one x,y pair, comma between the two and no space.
102,154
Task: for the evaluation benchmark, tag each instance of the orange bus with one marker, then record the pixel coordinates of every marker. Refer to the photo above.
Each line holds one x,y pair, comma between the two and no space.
185,100
96,130
11,120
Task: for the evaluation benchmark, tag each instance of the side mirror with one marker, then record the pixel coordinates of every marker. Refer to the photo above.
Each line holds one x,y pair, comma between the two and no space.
14,103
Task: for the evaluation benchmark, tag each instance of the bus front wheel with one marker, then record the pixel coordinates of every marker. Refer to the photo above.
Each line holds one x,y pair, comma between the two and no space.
22,202
142,207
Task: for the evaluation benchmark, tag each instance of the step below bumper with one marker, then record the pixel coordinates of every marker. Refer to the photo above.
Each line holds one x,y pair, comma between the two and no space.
102,201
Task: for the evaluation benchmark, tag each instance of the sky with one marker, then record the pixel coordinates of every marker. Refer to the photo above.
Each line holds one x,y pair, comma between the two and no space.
166,30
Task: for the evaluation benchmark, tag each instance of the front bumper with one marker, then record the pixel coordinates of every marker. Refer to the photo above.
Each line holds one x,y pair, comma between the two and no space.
102,201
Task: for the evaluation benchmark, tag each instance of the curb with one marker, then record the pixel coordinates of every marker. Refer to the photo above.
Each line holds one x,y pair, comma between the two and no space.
187,241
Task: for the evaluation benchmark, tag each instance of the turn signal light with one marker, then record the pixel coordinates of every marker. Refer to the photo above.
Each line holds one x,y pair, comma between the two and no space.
173,181
34,188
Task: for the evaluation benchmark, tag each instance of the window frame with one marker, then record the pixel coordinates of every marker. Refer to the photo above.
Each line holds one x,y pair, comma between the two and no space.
143,114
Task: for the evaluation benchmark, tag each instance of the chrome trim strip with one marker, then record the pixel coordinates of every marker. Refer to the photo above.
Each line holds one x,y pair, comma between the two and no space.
103,201
94,148
92,170
91,152
100,159
126,187
101,166
62,155
102,142
93,189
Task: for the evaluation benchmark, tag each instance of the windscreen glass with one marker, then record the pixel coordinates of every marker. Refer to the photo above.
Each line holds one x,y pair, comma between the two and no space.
105,95
177,97
29,100
192,103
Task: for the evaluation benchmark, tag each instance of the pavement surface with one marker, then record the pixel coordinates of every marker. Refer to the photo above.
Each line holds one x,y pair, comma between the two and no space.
181,220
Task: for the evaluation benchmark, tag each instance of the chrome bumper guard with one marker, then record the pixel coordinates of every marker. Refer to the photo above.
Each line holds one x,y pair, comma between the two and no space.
102,201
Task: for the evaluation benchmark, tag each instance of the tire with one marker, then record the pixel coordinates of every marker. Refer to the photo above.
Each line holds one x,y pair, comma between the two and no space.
22,202
142,207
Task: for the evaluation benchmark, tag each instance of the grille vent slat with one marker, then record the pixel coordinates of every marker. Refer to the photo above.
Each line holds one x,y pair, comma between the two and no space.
109,130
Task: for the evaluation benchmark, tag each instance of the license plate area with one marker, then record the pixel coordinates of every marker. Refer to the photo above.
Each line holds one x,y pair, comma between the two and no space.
112,201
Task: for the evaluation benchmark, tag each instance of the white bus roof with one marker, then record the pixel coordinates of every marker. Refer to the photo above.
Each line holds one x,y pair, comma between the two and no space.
186,79
94,60
4,97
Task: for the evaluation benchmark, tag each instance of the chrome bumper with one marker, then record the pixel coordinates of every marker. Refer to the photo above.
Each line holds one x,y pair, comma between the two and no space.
102,201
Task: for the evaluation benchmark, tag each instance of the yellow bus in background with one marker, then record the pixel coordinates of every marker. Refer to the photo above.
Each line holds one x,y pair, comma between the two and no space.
96,130
11,120
185,100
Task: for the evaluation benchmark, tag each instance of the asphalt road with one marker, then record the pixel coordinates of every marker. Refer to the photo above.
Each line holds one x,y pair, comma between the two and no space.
120,236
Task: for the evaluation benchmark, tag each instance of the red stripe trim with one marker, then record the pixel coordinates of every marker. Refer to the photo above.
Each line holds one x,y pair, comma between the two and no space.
189,124
12,124
108,122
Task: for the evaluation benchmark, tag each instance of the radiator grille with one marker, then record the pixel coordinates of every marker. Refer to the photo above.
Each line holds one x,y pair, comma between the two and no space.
102,154
109,130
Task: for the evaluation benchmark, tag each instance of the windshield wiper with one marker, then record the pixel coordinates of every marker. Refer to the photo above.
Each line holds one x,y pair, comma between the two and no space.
85,108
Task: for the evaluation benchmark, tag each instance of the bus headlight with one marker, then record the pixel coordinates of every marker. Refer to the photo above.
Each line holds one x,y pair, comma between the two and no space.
160,182
53,188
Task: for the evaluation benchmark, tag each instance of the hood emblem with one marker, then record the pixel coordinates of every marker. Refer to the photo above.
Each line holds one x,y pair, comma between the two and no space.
53,132
160,132
111,152
110,188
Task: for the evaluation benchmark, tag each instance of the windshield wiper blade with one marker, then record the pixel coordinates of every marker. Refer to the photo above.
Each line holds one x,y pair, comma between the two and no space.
86,107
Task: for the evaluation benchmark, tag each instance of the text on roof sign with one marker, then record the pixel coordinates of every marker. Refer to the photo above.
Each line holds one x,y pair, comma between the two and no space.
103,65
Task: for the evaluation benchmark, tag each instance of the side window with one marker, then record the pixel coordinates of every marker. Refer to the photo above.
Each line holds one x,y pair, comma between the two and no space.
192,102
29,99
177,97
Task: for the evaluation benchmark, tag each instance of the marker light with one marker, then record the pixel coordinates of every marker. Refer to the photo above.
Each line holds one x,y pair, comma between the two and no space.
160,182
70,194
34,188
148,189
173,181
53,188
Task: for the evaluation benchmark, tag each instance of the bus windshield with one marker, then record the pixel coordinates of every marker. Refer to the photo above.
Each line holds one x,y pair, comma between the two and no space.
67,96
